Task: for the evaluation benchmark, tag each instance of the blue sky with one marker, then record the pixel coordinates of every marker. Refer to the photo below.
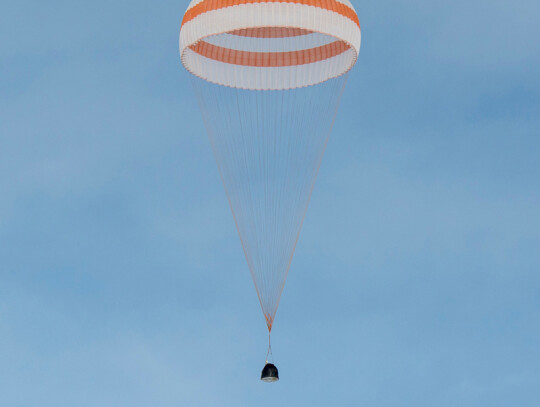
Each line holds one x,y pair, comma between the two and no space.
416,278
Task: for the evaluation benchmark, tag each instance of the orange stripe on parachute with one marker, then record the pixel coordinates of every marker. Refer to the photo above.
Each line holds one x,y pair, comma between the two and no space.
270,32
269,59
210,5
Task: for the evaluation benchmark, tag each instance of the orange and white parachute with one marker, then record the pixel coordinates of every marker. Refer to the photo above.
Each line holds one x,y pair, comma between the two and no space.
269,45
269,77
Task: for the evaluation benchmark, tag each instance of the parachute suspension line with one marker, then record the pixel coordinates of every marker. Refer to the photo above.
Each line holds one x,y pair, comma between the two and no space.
268,127
269,145
337,90
269,352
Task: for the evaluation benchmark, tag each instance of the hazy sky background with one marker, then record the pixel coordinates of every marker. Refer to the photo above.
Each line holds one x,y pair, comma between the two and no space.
416,278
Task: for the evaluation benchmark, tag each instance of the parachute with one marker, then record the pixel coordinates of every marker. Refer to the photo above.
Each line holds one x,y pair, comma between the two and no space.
269,76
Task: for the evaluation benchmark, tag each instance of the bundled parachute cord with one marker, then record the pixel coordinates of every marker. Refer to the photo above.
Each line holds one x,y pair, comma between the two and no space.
269,352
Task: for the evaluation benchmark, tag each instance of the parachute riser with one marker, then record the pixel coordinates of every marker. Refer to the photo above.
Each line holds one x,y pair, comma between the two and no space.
269,352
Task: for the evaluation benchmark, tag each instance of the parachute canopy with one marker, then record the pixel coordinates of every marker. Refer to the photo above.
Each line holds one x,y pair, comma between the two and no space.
269,76
269,45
